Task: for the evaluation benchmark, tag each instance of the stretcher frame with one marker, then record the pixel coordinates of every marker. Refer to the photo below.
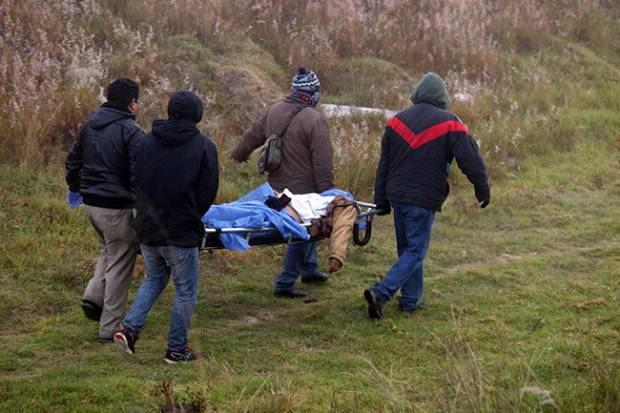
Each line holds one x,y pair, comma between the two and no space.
259,237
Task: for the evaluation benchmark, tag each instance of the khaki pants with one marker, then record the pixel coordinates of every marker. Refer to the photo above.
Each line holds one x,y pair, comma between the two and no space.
343,218
109,286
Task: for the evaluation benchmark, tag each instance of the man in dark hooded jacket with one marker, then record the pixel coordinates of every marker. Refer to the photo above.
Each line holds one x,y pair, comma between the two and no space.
100,170
176,183
417,150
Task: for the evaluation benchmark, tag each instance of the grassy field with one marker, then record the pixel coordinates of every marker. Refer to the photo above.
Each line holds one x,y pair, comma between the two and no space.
522,295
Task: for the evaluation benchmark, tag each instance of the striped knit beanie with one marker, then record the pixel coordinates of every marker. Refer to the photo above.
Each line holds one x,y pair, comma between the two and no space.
306,86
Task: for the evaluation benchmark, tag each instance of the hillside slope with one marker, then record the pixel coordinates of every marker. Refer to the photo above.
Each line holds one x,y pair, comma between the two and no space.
524,295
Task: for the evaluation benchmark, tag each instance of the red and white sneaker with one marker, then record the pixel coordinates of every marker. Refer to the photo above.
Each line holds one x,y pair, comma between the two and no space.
126,340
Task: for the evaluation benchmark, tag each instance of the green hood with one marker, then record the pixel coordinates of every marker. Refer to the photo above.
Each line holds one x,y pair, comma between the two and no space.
431,89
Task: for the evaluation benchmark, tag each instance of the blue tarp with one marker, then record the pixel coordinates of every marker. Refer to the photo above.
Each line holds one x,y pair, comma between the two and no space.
250,211
336,192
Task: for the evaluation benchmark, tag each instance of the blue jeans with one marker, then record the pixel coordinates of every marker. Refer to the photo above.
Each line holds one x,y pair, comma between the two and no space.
299,259
413,234
159,263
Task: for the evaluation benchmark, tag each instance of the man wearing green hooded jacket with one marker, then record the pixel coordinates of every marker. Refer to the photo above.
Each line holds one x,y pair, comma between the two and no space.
417,150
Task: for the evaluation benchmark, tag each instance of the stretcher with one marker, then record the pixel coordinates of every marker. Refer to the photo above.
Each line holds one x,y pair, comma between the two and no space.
362,231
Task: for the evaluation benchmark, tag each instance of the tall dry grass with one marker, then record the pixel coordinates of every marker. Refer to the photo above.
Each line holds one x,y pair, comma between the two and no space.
469,37
43,50
55,58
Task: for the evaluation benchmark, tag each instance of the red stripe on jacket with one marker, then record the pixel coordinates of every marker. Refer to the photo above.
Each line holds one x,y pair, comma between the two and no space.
427,135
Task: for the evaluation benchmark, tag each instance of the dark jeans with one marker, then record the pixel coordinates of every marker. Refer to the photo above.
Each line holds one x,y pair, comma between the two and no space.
160,262
413,233
299,259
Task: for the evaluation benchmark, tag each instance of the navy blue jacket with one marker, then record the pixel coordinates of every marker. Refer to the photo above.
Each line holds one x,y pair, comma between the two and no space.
416,148
101,164
176,183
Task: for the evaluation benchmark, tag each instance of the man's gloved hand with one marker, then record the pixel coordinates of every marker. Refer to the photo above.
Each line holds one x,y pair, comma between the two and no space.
74,199
483,195
383,208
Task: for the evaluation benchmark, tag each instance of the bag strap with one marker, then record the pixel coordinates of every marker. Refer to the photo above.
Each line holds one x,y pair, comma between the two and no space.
294,113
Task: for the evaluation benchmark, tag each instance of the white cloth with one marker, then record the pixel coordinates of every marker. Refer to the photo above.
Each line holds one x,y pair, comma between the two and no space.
309,206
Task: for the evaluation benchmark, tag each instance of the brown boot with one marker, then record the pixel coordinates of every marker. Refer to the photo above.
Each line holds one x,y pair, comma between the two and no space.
334,264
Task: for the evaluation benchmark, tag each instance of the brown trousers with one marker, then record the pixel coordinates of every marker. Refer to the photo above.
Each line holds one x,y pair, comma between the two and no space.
337,225
343,218
109,286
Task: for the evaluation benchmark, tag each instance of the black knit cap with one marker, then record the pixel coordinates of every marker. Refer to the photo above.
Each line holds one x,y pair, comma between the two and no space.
122,91
185,105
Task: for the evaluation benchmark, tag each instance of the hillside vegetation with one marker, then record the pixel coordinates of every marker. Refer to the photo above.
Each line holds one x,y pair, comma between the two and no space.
524,306
525,64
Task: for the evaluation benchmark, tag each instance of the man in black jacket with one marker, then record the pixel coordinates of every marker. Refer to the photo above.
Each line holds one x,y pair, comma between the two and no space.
176,183
417,150
100,171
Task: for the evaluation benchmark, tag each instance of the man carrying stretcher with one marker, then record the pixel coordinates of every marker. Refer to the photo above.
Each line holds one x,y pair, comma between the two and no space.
306,166
417,151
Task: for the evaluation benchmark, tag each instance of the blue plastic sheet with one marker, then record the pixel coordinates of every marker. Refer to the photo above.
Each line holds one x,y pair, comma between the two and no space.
336,192
250,211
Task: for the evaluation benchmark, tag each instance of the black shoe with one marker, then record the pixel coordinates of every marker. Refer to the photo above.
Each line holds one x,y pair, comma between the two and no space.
106,340
317,277
421,303
92,311
174,357
293,293
126,340
375,307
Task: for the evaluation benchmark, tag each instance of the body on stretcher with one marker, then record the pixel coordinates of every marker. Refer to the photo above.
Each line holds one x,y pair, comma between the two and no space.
362,231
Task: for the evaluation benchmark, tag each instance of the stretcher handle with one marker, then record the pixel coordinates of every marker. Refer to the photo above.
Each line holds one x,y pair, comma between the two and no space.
367,233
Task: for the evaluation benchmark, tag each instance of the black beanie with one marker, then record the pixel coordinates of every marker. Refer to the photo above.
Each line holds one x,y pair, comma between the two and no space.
185,105
122,91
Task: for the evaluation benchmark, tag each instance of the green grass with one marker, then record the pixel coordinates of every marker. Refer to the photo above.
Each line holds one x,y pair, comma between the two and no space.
522,294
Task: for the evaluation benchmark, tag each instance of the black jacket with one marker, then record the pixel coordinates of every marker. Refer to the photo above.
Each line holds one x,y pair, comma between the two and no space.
176,183
417,147
101,164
